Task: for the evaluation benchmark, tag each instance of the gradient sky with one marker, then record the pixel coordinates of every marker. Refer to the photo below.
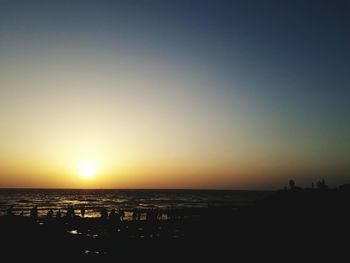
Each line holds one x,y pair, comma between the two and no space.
174,94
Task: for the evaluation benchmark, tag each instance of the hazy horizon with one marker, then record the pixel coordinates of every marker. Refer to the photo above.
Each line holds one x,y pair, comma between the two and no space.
174,94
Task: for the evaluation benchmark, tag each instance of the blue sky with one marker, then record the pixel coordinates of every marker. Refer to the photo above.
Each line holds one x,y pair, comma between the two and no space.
233,84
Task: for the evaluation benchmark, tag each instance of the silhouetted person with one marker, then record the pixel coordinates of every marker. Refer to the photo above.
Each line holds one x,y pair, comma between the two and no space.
104,214
171,214
122,214
134,214
22,213
139,213
49,214
82,211
34,213
10,210
59,214
159,214
70,212
114,216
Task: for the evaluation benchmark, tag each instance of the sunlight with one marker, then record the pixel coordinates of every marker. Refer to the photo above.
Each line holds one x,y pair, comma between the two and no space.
87,169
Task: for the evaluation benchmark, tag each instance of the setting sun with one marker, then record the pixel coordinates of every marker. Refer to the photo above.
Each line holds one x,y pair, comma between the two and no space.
87,169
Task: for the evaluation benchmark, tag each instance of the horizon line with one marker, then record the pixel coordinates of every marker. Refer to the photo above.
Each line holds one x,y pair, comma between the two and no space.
131,189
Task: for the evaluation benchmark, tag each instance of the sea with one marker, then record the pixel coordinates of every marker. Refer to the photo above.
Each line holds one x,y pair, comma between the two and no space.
94,200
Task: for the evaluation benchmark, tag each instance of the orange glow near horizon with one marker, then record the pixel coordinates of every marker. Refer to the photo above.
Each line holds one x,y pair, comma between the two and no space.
148,121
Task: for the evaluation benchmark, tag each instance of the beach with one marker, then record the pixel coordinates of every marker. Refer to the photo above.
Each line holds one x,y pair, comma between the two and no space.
307,222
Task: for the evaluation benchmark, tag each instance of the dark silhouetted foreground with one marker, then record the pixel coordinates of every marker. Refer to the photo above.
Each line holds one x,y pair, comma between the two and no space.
293,223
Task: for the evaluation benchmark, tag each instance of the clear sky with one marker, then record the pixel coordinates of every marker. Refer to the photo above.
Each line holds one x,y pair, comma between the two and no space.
174,94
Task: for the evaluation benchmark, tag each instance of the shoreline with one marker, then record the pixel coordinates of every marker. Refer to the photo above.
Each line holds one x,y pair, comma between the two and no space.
301,220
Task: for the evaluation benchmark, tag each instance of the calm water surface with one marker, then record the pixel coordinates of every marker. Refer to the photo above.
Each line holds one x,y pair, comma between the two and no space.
94,200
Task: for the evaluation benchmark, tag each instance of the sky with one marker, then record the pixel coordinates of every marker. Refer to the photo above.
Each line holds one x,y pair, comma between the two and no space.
174,94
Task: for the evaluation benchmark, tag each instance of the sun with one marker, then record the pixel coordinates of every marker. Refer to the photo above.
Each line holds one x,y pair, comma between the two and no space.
87,169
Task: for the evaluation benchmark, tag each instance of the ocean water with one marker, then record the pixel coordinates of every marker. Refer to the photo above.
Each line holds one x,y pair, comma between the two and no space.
94,200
